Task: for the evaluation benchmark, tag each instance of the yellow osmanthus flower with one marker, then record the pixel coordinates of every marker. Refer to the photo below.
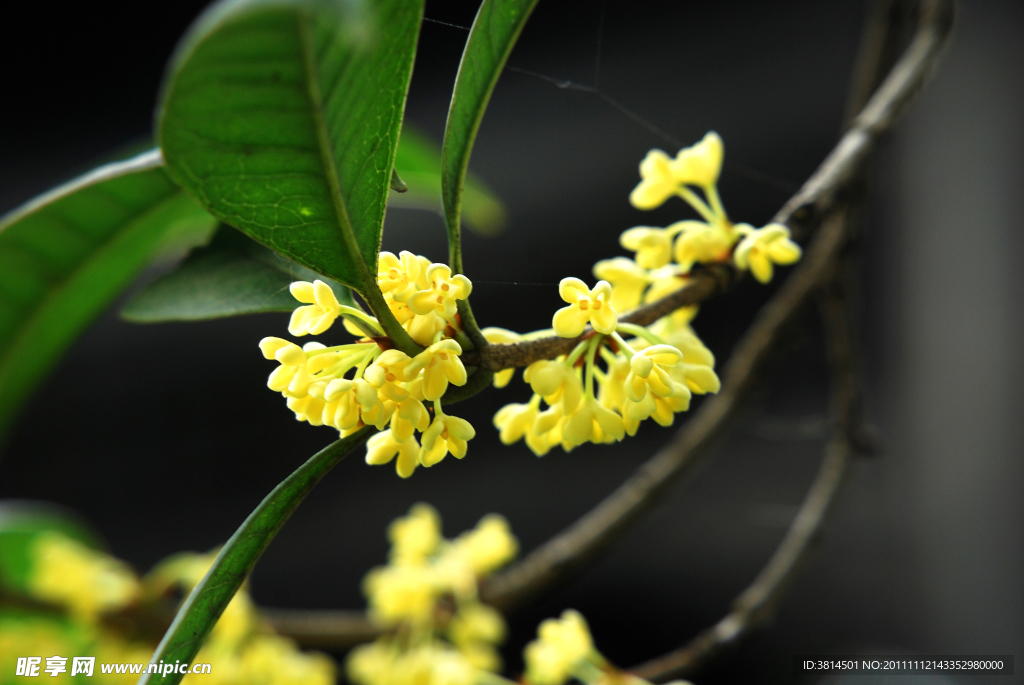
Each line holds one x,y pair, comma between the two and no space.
556,382
763,247
585,306
489,546
400,594
441,365
702,242
67,573
592,422
562,648
321,310
444,289
650,371
382,448
653,246
401,276
445,434
275,660
415,537
627,278
698,165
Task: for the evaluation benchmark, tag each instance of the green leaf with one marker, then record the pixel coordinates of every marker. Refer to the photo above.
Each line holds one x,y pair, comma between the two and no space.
66,255
21,523
494,32
229,277
419,163
282,117
207,601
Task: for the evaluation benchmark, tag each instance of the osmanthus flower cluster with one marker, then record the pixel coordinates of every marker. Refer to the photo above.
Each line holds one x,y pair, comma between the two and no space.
367,384
437,631
92,597
609,384
617,376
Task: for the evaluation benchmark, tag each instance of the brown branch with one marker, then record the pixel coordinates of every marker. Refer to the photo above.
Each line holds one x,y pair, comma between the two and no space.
330,629
815,199
572,548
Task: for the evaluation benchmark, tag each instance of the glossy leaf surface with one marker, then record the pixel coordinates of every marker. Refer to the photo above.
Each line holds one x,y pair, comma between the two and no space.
207,601
282,117
231,276
65,256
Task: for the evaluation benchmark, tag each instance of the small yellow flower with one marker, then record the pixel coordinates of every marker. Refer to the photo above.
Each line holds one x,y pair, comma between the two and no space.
702,243
401,593
514,420
653,246
382,448
650,370
561,647
291,377
698,165
591,422
444,289
555,382
489,546
501,336
441,365
628,280
585,306
401,276
764,246
410,416
445,434
424,327
274,659
321,310
415,537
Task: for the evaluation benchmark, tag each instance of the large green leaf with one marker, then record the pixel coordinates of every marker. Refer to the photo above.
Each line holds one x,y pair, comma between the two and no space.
207,601
495,30
283,116
229,277
419,163
66,255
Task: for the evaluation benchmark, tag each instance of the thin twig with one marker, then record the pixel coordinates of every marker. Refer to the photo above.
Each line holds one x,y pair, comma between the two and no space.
330,629
571,549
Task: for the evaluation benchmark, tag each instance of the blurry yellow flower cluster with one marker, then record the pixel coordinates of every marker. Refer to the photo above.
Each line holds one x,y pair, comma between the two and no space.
88,587
426,597
364,384
564,650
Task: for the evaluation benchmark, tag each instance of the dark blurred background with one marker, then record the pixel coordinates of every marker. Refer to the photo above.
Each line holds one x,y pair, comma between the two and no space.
165,437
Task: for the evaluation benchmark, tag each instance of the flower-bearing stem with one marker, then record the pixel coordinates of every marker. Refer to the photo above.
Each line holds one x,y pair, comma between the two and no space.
362,316
592,346
698,204
576,352
638,331
711,192
622,343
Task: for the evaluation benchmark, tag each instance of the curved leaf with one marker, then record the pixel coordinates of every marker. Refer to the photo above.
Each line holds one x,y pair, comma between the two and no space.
66,255
231,276
282,117
495,30
207,601
419,163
